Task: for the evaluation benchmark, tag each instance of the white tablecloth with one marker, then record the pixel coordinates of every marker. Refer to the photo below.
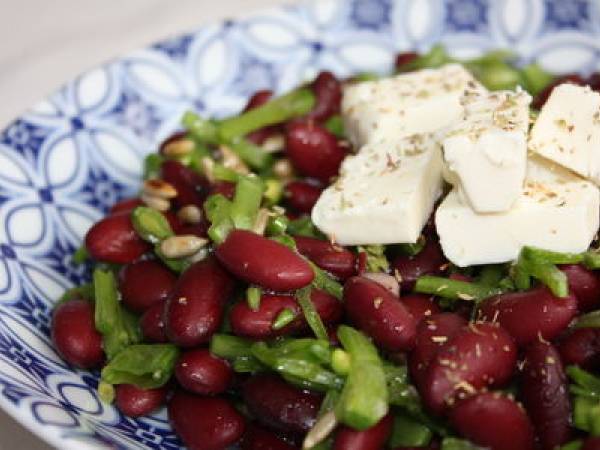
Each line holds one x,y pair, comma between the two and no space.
45,43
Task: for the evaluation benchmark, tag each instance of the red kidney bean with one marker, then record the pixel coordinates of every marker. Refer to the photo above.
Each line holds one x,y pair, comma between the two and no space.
404,58
493,421
328,92
145,283
114,240
302,196
433,445
225,188
135,402
258,260
547,315
420,306
584,284
429,261
174,221
258,324
432,333
581,347
591,443
127,205
200,372
174,137
314,151
545,394
478,356
259,98
594,81
153,325
205,423
191,187
373,438
280,406
380,314
332,258
194,310
74,334
257,438
540,99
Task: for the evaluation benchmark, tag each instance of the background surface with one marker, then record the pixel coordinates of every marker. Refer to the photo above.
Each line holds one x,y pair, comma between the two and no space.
44,44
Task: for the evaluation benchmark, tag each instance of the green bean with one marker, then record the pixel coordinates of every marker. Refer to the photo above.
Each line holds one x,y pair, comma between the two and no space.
591,259
362,404
412,249
546,272
303,227
273,191
277,225
310,313
220,172
335,125
496,75
436,57
281,109
80,256
589,320
573,445
150,225
536,79
451,443
230,347
341,362
144,365
284,318
85,291
246,201
152,164
251,154
590,383
539,255
376,259
253,295
199,128
106,392
586,415
217,209
324,282
366,76
454,289
319,378
178,265
408,432
491,275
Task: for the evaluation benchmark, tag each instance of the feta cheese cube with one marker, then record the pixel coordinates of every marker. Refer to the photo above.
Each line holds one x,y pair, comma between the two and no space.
384,195
486,151
567,130
556,211
407,104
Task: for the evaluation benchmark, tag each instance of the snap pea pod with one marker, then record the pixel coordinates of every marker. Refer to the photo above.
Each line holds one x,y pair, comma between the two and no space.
364,399
310,313
454,289
281,109
146,366
118,327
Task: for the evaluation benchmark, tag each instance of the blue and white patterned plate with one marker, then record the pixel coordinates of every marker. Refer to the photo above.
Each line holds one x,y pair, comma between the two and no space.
71,156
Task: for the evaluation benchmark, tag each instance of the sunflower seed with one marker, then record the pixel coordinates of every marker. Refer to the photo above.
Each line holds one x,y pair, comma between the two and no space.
182,246
232,161
160,204
190,214
274,144
260,223
179,147
159,188
283,169
320,430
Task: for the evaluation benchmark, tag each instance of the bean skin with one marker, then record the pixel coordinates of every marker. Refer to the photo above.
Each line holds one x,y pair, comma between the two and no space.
191,187
257,438
380,314
194,310
153,325
302,196
547,315
135,402
205,423
328,92
200,372
420,306
258,260
585,285
373,438
74,334
313,150
280,406
493,421
144,283
114,240
258,324
332,258
581,347
545,394
429,261
591,443
480,355
432,333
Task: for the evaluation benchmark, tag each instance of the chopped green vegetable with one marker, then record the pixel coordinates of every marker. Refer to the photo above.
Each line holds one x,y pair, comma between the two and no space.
436,57
326,283
340,362
178,265
152,164
85,291
451,443
150,224
586,415
589,320
281,109
412,249
80,256
253,298
106,392
284,318
217,209
539,255
147,366
273,191
591,259
303,227
199,128
251,154
362,404
573,445
246,201
277,225
586,384
376,259
536,79
220,172
408,432
335,125
230,347
492,275
310,313
541,265
366,76
454,289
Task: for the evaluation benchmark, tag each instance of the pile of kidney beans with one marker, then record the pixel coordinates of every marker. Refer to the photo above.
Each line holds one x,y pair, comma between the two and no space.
522,339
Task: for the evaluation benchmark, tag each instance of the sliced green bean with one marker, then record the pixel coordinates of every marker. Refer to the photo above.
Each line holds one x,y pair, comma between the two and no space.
246,201
454,289
310,313
199,128
150,224
284,318
152,164
251,154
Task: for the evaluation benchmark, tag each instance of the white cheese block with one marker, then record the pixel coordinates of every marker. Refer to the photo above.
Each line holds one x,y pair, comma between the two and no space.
486,151
384,195
567,130
418,102
556,211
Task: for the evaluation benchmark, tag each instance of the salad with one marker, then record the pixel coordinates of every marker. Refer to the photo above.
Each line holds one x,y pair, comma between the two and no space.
403,262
